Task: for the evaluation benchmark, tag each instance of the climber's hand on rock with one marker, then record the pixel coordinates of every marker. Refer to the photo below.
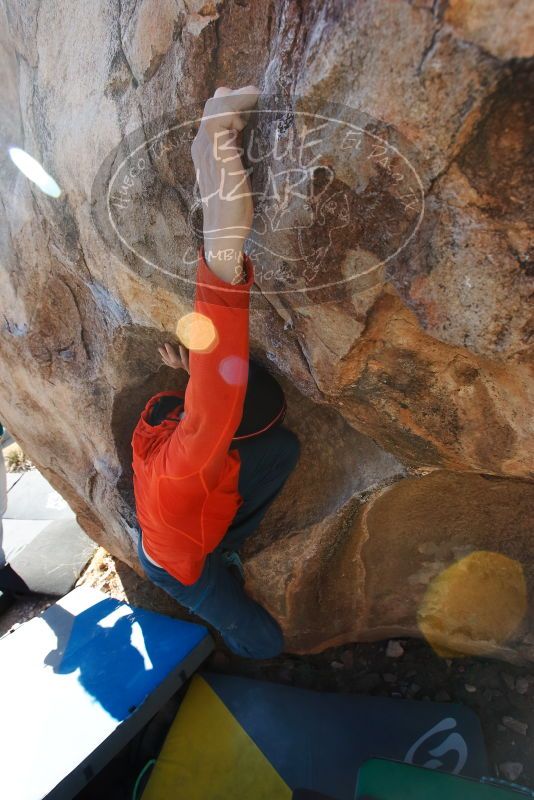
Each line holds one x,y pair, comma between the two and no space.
171,358
223,182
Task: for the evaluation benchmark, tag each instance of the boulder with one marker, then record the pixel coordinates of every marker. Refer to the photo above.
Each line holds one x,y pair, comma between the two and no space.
392,292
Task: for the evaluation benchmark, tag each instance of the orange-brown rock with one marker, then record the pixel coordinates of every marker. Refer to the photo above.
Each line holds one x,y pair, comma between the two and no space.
374,564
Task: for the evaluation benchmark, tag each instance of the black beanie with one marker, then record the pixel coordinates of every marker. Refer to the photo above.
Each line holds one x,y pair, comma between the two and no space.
264,405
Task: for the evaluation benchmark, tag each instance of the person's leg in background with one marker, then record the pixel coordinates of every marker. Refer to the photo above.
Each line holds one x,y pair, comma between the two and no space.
218,596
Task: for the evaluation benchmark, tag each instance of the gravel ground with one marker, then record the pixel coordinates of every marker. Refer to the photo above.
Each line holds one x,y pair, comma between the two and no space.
501,694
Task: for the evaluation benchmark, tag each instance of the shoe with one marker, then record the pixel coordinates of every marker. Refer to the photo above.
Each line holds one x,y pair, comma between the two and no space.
232,560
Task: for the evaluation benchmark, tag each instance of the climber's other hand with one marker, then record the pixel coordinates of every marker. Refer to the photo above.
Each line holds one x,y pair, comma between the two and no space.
172,359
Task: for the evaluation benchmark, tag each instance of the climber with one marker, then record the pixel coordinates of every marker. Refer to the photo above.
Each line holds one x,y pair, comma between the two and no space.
209,461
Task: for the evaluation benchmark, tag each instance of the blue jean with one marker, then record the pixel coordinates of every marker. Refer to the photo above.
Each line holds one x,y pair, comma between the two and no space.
218,596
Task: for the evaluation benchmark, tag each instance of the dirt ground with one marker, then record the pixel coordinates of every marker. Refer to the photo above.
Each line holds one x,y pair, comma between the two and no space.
499,693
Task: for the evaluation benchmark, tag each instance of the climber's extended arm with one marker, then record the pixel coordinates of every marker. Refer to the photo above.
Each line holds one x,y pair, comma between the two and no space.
219,347
223,182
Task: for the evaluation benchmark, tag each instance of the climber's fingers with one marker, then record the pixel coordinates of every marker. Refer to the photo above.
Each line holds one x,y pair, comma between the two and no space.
171,358
229,109
221,91
184,353
164,357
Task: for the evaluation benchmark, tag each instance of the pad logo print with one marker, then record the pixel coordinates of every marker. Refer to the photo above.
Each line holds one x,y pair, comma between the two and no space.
431,749
337,196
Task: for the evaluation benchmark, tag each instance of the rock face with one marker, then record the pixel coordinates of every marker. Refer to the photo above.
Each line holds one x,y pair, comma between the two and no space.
406,354
375,567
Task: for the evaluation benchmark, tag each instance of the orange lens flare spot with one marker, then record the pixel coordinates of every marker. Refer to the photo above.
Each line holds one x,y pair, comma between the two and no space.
474,606
197,332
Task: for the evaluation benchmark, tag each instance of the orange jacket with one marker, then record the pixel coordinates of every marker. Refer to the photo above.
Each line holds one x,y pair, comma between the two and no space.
185,476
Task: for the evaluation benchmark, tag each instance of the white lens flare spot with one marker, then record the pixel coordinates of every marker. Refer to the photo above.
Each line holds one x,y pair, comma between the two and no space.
34,171
197,332
234,370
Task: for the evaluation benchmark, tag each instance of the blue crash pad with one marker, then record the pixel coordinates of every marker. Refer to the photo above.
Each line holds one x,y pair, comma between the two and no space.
78,682
317,740
253,740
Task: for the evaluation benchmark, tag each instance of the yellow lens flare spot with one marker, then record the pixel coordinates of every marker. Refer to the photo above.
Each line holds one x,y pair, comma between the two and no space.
197,332
474,606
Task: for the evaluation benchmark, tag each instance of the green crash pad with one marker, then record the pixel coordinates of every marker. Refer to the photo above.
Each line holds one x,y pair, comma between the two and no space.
379,779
